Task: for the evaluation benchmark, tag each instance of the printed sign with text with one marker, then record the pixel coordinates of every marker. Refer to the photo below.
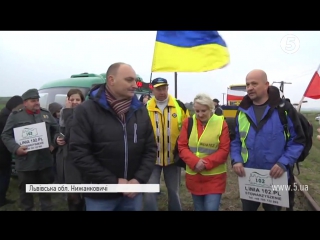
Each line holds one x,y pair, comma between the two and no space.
33,136
259,186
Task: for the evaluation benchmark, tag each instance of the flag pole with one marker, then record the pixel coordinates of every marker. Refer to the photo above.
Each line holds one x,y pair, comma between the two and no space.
300,103
150,77
303,96
175,84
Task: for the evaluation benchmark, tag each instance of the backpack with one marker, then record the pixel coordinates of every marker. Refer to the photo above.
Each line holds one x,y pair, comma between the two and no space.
307,129
176,158
231,122
182,107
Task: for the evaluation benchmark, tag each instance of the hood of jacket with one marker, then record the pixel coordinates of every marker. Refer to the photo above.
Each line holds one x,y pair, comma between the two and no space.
54,107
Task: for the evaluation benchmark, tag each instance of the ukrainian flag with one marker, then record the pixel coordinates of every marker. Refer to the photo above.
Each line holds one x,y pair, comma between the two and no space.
189,51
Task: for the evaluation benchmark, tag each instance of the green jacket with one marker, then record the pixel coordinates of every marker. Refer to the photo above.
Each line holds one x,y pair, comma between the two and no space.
33,160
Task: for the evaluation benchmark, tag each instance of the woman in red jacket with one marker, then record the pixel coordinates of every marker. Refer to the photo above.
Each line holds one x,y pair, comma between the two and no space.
205,154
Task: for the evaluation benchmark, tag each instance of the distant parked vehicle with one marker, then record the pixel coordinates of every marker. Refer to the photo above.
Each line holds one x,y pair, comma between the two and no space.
317,117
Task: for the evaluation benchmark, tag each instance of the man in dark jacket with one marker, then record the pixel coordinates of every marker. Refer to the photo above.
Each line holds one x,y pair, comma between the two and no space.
218,110
112,141
5,155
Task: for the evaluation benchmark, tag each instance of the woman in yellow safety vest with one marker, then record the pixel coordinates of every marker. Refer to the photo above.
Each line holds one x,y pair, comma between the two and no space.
205,153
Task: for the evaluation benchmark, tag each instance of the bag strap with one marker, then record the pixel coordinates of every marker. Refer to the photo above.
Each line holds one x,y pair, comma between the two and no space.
190,124
283,119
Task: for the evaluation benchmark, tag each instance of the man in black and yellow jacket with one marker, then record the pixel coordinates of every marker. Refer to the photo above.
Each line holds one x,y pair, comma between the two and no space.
166,114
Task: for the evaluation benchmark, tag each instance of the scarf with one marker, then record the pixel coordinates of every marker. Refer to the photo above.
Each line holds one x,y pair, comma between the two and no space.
121,106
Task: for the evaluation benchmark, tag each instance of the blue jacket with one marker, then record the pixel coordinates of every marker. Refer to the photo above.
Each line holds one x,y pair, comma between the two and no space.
268,146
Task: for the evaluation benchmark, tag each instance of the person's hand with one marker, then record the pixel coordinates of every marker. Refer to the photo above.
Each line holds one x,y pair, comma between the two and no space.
276,171
60,141
200,166
68,103
132,195
51,148
22,150
239,169
318,136
122,181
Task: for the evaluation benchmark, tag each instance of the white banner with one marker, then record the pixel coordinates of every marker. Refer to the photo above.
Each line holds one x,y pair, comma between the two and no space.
33,136
259,186
92,188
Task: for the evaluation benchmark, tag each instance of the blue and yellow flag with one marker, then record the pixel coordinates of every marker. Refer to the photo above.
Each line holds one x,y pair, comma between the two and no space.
189,51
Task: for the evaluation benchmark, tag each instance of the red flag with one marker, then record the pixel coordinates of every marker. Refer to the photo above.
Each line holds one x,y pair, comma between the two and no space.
313,89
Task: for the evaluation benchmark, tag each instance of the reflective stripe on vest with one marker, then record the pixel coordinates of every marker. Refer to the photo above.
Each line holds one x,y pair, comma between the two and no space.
244,126
207,144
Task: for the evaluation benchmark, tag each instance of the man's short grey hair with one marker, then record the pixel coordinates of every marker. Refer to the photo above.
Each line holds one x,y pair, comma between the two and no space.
204,99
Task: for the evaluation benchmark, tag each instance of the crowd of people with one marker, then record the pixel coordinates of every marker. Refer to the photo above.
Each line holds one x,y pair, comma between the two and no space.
114,138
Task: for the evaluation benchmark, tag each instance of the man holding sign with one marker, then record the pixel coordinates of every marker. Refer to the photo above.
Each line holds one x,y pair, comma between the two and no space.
260,144
28,134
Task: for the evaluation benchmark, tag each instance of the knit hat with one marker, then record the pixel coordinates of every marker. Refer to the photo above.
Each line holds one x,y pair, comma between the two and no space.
14,102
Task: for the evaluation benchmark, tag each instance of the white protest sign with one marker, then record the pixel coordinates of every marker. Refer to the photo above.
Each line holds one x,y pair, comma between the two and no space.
259,186
33,136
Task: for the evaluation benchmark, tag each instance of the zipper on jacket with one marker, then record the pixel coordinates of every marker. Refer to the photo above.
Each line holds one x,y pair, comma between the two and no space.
125,138
135,136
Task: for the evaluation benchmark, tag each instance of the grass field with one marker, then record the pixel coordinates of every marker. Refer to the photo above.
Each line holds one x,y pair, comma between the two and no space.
3,101
230,200
310,168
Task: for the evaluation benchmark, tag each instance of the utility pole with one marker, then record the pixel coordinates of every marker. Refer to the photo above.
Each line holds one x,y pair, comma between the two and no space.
282,83
223,98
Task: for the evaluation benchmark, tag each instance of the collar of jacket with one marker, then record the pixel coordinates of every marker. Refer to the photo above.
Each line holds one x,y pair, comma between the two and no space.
98,95
31,113
273,101
153,104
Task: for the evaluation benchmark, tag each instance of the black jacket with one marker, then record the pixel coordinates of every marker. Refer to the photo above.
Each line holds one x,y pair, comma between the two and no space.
5,155
104,149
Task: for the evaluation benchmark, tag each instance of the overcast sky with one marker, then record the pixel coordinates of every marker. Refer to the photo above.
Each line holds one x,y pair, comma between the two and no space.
30,59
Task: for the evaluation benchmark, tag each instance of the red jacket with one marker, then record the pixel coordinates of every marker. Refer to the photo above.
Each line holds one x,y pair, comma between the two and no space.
199,184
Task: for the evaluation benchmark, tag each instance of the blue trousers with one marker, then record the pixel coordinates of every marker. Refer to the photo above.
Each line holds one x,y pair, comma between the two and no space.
209,202
118,204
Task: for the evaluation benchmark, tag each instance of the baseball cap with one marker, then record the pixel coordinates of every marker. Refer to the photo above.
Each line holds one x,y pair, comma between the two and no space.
216,100
159,82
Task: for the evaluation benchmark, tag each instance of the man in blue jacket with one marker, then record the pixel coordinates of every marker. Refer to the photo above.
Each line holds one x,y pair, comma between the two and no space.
264,146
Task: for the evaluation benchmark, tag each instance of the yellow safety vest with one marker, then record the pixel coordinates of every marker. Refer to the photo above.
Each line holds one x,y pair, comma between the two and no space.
207,144
244,127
